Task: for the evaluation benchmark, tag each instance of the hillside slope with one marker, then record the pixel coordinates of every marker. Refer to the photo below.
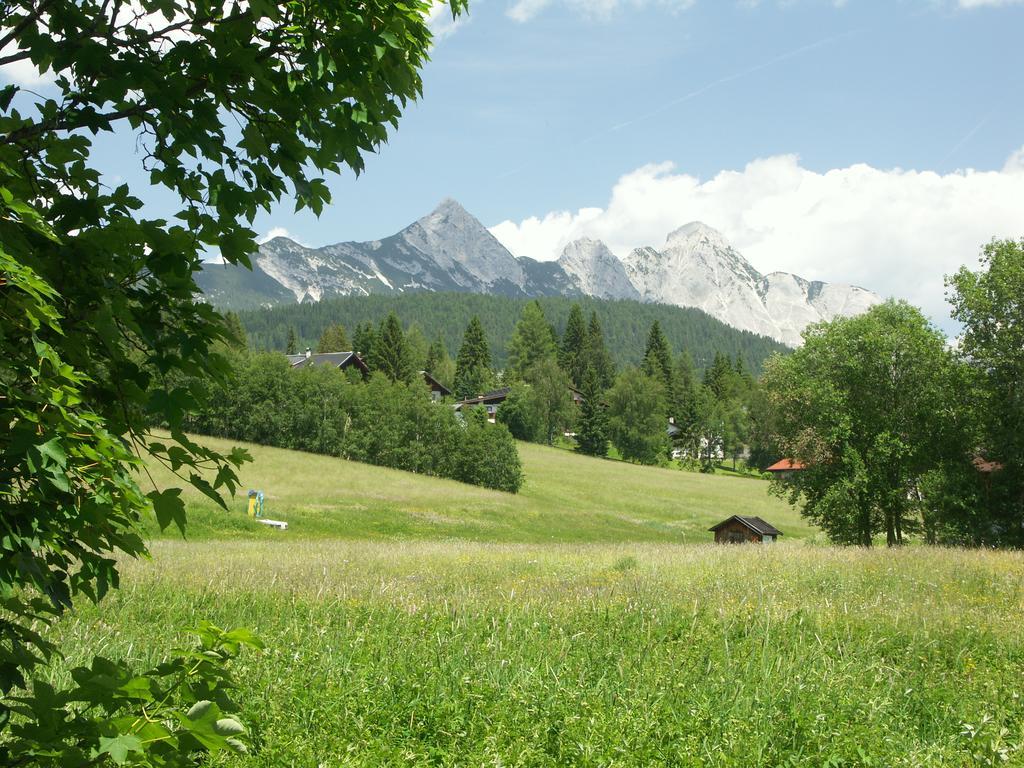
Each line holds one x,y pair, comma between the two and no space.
445,316
566,498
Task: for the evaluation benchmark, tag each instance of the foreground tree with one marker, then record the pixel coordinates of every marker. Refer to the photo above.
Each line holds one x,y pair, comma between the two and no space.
636,417
990,306
231,106
868,404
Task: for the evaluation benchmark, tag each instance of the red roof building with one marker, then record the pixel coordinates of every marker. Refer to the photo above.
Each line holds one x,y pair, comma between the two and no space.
786,465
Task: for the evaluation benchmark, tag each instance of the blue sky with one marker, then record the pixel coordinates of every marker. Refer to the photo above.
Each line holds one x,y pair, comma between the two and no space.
520,118
869,142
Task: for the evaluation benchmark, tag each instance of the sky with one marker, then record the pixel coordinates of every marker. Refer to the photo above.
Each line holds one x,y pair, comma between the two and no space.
874,143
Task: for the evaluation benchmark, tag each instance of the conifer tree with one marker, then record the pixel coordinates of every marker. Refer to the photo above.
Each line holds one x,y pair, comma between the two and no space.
592,431
365,340
573,351
658,360
418,348
532,341
684,407
598,355
292,345
240,339
435,355
473,364
391,351
334,339
720,377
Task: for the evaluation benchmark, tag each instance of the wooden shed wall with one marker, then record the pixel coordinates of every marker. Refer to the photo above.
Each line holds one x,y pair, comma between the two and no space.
735,531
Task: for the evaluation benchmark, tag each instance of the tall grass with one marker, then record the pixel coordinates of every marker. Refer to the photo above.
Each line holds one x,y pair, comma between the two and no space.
638,654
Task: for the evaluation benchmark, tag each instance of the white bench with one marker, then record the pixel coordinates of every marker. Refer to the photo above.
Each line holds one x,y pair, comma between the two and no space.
279,524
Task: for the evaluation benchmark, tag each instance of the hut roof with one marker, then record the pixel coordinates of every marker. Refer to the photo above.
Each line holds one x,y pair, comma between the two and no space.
756,524
494,396
435,384
335,359
785,465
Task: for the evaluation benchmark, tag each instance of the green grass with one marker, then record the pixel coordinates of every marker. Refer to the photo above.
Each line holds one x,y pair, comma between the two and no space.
470,654
566,498
419,622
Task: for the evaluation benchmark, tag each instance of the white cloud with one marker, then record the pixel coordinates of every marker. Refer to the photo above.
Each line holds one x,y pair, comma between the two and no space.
897,232
24,72
441,22
278,232
1015,162
525,10
987,3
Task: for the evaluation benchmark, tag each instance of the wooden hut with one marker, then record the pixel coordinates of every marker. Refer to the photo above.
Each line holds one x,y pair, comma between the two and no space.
740,529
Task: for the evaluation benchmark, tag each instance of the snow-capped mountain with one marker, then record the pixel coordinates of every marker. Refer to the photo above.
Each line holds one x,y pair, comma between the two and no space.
446,250
698,268
450,250
596,271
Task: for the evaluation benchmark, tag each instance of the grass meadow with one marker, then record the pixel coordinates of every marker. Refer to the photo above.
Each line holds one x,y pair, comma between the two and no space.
566,498
585,622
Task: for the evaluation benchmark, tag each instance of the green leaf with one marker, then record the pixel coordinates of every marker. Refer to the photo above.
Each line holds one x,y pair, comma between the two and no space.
54,451
228,726
169,508
119,746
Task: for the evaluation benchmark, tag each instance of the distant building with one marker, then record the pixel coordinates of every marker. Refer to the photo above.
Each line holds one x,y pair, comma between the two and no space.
340,360
785,468
577,396
437,389
739,529
489,400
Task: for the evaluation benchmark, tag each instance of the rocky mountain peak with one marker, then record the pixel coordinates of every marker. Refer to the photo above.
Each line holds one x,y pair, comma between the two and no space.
450,250
596,271
696,234
450,210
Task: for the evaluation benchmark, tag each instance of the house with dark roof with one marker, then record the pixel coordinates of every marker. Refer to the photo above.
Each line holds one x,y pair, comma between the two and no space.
340,360
489,400
740,529
437,389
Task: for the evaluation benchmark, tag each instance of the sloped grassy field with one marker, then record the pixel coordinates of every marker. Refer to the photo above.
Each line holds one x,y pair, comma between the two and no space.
566,498
419,622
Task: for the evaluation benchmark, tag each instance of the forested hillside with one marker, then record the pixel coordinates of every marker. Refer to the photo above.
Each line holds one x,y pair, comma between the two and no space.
445,315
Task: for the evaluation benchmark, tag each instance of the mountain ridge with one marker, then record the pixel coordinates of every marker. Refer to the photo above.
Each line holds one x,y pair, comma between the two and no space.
450,250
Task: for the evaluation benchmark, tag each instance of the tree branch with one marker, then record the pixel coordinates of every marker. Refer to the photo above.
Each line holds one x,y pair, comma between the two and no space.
32,17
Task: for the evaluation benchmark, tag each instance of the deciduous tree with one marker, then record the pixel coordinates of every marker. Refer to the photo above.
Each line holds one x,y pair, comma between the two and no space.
232,108
636,417
555,409
868,405
989,304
